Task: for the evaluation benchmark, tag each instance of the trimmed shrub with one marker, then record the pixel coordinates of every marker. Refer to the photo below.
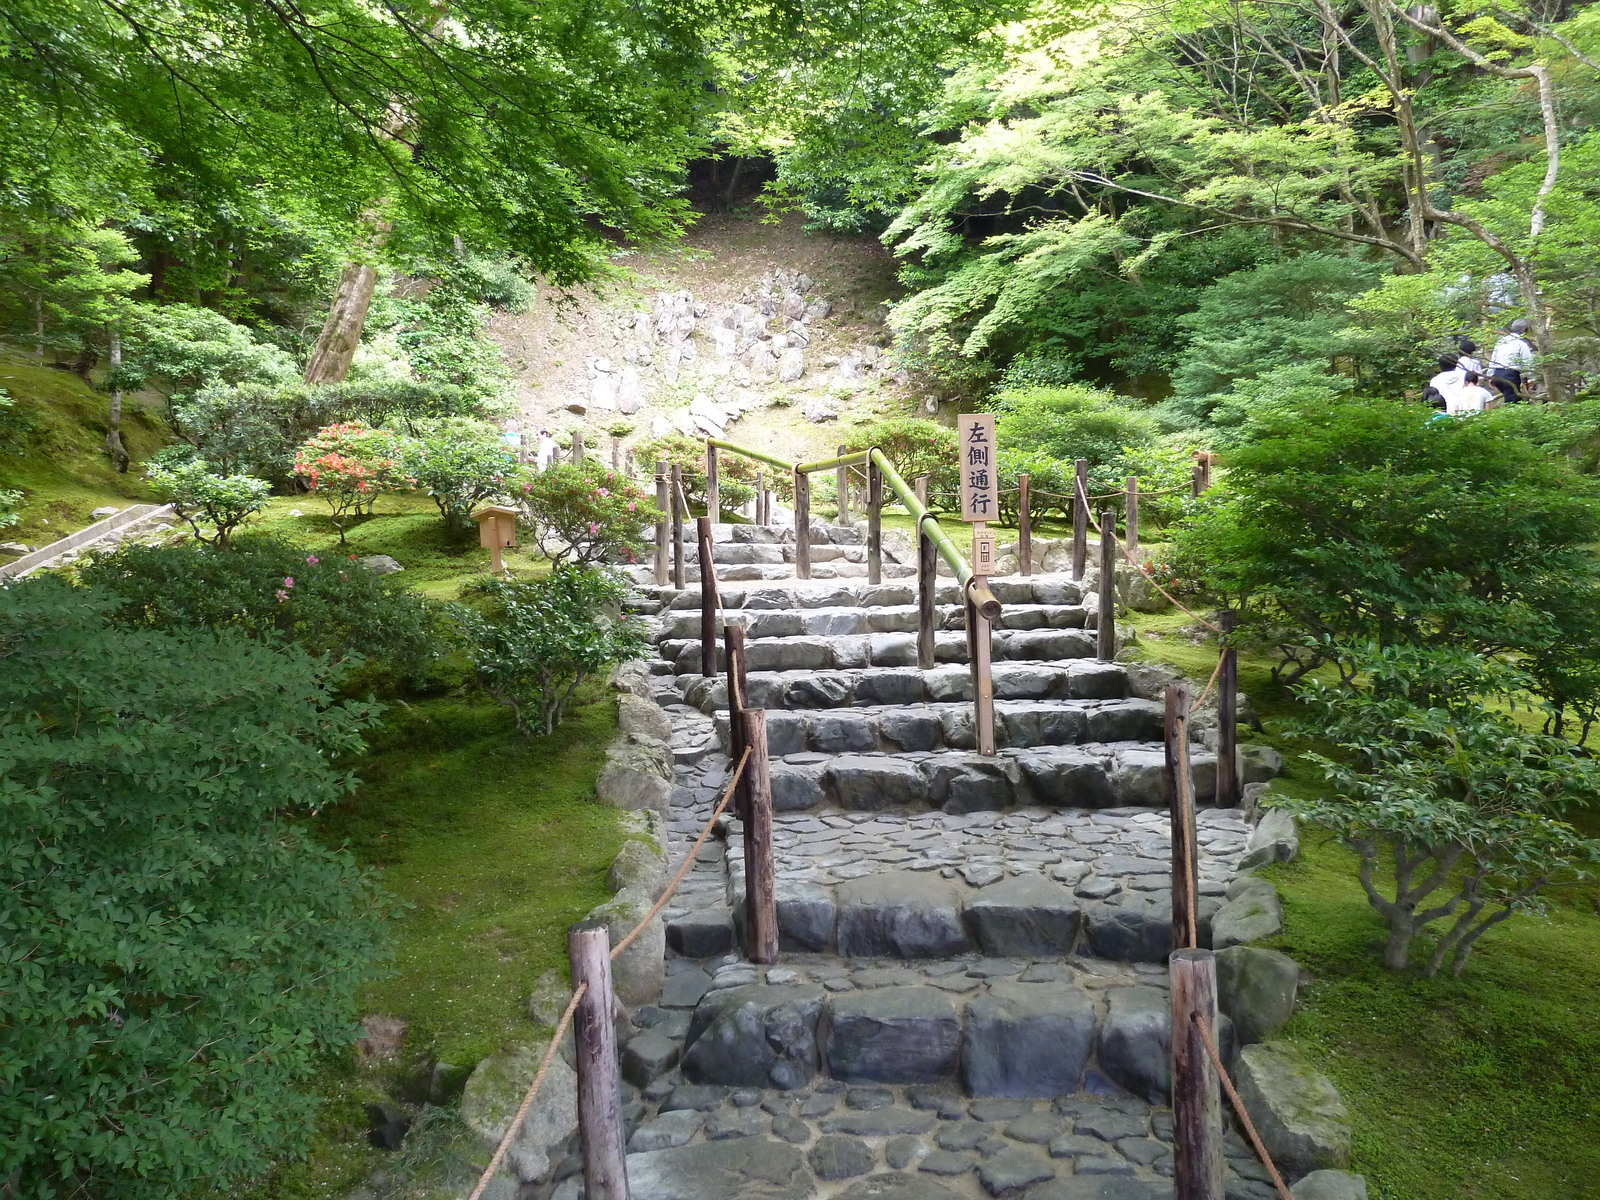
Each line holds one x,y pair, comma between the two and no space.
203,498
583,513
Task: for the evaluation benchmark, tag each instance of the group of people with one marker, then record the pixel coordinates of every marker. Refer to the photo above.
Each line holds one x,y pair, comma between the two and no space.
1465,384
541,454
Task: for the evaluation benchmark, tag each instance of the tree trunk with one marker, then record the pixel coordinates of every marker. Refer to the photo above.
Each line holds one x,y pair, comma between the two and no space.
341,332
114,446
1397,953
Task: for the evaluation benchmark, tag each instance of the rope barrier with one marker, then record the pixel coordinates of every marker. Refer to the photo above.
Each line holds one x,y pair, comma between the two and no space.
1238,1108
1210,683
533,1090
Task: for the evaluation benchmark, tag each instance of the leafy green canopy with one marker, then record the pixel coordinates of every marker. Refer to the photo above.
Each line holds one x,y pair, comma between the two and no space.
177,952
525,125
1373,521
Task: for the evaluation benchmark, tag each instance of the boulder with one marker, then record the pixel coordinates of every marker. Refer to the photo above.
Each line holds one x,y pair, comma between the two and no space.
791,365
819,411
640,864
640,717
1256,988
1252,912
647,1057
107,510
1027,916
744,1168
1330,1185
1135,1042
1027,1039
867,783
496,1089
900,914
380,564
637,973
893,1035
703,933
1274,839
806,915
637,774
759,1035
1301,1119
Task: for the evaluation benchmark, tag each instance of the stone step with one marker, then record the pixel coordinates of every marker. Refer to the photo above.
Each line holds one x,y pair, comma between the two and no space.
1080,679
771,572
992,1027
744,553
739,533
949,726
900,618
1093,775
805,593
819,653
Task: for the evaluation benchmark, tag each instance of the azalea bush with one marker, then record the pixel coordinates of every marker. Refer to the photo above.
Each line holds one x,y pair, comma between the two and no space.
583,513
461,463
1455,812
736,474
206,499
534,644
349,466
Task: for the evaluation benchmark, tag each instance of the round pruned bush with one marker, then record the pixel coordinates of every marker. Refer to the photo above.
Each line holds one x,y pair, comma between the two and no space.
349,466
736,475
205,499
461,464
583,513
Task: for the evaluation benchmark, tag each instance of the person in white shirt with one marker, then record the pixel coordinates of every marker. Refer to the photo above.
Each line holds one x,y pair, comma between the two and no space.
1443,388
1468,359
1511,363
546,453
1472,398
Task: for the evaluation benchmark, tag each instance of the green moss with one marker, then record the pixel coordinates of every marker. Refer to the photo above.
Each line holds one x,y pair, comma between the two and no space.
497,843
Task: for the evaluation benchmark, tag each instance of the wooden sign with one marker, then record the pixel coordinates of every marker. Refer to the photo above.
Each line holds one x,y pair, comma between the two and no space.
497,528
983,552
980,481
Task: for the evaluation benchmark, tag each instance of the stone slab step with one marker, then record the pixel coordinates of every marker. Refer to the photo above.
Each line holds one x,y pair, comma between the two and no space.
1093,775
803,593
892,728
739,533
742,553
1080,679
994,1028
900,618
770,572
820,653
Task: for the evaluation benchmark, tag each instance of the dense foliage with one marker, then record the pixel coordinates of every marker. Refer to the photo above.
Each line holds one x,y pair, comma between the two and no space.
460,464
582,513
179,951
207,500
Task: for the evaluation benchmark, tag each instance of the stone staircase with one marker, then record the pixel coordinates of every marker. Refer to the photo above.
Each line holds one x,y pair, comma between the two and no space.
754,553
972,997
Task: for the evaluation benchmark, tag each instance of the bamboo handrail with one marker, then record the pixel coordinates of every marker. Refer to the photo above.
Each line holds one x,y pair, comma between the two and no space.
831,464
769,459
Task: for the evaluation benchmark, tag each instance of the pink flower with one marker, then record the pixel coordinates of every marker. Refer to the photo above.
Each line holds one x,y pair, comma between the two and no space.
593,528
288,581
630,505
312,560
527,487
601,492
282,595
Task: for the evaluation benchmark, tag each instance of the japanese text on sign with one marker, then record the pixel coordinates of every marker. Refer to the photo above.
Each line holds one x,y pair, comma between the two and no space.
980,478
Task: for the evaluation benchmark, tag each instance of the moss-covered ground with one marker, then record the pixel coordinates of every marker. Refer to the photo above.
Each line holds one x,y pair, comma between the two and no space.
1477,1088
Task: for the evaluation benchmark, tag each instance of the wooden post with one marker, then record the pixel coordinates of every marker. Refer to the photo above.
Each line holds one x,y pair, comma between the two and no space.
874,523
1024,524
802,525
678,574
663,521
1228,790
708,600
1196,1089
733,645
760,904
577,445
713,485
761,495
1197,479
927,582
1106,632
605,1170
842,484
1080,518
919,489
1130,541
1180,793
978,649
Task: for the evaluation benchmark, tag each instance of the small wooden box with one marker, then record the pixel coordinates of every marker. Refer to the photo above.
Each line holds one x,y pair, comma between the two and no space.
497,526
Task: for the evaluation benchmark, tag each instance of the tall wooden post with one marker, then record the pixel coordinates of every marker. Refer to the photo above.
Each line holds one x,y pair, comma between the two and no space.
1197,480
761,908
738,699
663,521
919,489
1106,632
577,445
713,485
874,523
1180,792
843,484
978,650
1228,790
802,525
1024,524
1196,1089
605,1170
927,584
1080,518
761,497
708,599
678,573
1130,541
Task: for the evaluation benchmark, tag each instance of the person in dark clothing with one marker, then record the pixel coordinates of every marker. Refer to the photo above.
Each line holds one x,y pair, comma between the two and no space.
1511,363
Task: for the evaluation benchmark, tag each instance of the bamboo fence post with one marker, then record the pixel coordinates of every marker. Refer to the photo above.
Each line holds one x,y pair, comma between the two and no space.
1197,477
927,583
1106,631
1196,1089
678,573
663,521
1180,792
1228,790
919,489
577,445
1130,542
802,525
605,1168
1024,524
874,523
708,599
978,653
1080,518
733,645
761,495
761,909
713,484
843,484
